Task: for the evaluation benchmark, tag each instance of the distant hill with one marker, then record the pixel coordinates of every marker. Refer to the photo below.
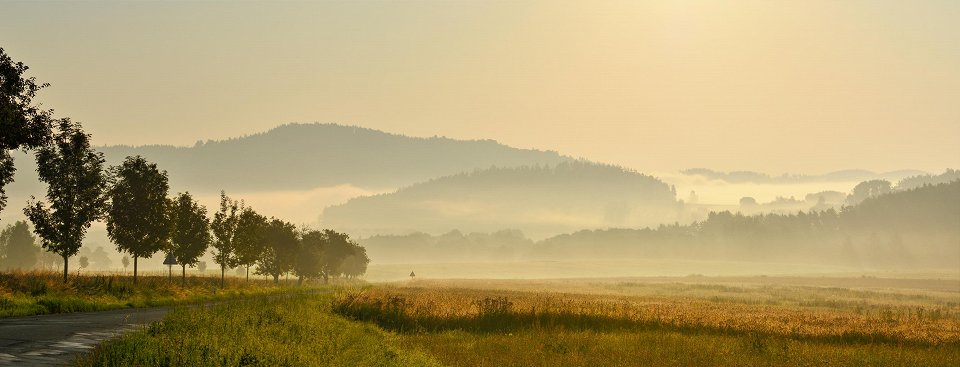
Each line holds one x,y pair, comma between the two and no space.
539,200
305,156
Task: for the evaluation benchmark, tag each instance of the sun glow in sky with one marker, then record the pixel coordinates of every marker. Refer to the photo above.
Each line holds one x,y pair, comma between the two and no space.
803,86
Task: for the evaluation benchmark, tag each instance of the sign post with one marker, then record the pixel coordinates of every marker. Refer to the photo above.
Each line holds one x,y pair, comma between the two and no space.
170,261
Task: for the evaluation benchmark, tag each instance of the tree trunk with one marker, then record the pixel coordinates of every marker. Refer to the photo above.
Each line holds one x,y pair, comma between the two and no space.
65,268
300,280
184,279
276,279
135,269
248,273
223,271
326,278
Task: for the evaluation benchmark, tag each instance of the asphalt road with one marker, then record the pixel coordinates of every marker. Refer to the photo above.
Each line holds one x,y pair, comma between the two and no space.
56,340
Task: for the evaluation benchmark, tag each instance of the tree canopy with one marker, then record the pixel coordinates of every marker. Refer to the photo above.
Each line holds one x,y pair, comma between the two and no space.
76,183
191,230
138,220
24,124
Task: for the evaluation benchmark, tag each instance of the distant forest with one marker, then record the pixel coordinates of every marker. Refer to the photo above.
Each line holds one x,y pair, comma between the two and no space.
756,177
543,200
907,229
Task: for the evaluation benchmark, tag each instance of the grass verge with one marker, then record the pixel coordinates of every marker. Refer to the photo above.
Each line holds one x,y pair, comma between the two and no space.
37,293
293,330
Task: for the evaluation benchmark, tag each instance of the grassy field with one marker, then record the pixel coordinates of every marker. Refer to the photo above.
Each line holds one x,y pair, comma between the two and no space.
294,330
586,322
35,293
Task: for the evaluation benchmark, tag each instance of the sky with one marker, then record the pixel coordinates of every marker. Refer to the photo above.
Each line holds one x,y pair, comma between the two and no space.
770,86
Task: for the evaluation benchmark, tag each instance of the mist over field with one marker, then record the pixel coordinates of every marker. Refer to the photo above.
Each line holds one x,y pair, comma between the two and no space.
414,202
480,183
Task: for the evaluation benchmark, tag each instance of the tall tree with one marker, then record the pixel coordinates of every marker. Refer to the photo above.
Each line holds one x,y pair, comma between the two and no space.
18,248
191,231
76,183
249,238
24,125
280,249
224,228
138,220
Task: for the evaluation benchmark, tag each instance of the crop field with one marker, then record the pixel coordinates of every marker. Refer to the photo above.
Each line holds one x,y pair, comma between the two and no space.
586,322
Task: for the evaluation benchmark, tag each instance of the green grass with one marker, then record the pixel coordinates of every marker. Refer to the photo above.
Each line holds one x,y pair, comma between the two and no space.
293,330
37,293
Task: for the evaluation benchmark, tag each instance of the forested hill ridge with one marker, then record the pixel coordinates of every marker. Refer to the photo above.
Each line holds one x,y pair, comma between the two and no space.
912,229
540,200
305,156
854,175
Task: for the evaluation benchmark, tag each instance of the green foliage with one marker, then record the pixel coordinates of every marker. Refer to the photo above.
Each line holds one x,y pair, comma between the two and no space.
76,183
35,293
24,125
224,228
191,230
296,330
138,220
281,246
248,240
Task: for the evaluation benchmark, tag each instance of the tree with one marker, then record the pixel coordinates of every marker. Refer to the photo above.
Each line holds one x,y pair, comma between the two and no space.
280,249
76,183
100,259
868,189
18,248
336,248
84,263
138,220
249,238
355,265
224,228
24,125
309,253
202,266
191,231
126,261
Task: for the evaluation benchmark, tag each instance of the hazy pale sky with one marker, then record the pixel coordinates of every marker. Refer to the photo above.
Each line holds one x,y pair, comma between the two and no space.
775,86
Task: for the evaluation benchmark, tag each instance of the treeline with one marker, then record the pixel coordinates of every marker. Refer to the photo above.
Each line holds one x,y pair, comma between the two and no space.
908,229
133,199
757,177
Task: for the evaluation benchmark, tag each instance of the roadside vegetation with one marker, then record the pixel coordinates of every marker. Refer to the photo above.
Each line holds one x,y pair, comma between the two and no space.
37,293
293,330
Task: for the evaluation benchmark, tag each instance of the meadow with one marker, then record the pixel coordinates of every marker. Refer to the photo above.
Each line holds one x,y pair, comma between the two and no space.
37,293
577,322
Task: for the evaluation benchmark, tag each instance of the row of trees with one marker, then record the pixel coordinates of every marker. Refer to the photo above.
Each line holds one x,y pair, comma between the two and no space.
133,199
